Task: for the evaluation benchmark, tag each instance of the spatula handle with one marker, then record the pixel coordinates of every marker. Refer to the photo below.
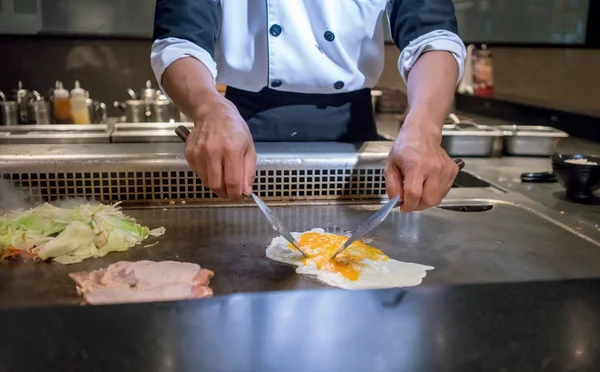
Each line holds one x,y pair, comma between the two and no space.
182,132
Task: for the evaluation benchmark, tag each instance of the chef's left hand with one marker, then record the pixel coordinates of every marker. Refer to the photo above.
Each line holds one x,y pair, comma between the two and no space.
418,169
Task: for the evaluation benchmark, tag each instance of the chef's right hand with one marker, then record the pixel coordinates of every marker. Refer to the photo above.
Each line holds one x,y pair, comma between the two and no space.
220,149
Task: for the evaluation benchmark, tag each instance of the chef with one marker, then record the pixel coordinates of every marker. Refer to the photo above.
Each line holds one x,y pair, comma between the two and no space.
302,70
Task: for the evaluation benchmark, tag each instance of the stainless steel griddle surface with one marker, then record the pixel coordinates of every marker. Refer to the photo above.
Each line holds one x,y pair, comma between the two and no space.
506,243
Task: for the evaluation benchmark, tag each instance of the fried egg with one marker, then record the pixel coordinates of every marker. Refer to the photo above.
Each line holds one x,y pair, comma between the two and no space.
360,266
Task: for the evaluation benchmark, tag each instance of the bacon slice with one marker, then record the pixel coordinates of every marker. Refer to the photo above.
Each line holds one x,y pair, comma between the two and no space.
143,281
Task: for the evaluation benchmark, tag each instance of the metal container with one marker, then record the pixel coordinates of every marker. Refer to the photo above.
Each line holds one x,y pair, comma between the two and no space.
135,111
162,112
146,94
23,96
470,139
39,111
9,111
97,111
527,140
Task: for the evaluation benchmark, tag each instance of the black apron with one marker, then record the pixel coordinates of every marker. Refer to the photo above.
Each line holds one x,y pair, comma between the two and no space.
275,116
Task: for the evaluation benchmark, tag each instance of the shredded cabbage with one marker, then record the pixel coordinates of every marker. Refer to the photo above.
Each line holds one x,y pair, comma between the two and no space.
71,235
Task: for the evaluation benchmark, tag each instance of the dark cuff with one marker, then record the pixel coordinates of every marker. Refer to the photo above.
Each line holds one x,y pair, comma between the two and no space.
410,19
194,20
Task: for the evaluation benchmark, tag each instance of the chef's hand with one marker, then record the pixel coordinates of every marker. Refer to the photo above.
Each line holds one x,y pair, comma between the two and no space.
220,149
418,169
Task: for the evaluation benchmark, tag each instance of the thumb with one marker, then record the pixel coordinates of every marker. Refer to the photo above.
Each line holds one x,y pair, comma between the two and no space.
249,170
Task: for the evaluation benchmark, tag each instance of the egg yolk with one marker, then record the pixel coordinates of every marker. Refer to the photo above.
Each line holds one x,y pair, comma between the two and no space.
320,247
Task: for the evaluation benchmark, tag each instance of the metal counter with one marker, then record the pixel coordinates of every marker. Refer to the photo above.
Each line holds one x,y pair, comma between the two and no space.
329,185
505,173
40,134
159,173
485,232
146,132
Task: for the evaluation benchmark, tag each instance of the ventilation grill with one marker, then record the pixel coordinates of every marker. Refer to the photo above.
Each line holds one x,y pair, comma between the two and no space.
178,186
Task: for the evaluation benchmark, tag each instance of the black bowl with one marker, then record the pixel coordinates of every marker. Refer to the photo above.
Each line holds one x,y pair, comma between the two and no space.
580,180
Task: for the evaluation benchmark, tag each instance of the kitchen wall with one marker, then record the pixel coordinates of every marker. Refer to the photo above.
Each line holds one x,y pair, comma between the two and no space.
566,79
105,67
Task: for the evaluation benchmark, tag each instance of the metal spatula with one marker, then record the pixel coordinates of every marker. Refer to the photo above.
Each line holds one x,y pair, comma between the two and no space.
276,223
378,217
373,221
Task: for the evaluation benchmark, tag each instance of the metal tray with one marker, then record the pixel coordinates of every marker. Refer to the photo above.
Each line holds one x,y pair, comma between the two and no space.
527,140
470,139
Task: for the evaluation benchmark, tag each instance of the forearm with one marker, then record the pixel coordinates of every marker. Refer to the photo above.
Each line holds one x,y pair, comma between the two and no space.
432,56
183,53
431,84
191,86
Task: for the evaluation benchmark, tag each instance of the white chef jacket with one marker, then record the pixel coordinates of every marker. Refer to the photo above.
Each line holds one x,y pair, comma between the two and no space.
302,46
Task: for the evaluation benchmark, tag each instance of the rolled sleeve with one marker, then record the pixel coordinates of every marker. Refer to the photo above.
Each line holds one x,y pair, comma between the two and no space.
433,41
419,26
184,28
166,51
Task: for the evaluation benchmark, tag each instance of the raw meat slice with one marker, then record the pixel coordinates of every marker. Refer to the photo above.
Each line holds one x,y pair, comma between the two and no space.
143,281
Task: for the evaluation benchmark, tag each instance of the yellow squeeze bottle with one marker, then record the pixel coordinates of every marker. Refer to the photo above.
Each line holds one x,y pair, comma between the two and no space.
79,107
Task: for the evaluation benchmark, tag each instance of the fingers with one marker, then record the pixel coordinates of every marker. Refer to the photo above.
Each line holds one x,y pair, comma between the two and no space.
434,182
214,172
195,157
233,167
452,170
413,191
190,155
218,147
437,183
433,193
393,180
201,171
226,166
421,179
203,163
249,170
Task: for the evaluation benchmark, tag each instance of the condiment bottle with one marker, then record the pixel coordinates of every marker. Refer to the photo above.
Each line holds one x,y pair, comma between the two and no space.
79,107
22,99
62,105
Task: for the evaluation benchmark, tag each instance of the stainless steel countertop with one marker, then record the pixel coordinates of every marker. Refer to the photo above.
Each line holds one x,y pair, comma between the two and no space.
523,237
503,172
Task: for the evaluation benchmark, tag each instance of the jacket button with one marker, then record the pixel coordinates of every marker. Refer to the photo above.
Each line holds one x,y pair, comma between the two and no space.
275,30
276,83
338,85
329,36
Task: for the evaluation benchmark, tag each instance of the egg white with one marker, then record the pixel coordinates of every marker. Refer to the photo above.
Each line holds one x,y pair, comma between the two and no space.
375,274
